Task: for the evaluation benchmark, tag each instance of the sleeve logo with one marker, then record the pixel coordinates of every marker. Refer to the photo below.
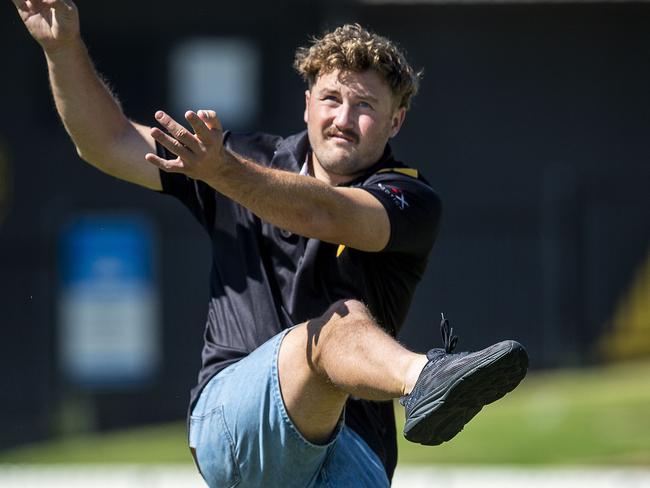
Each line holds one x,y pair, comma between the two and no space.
395,195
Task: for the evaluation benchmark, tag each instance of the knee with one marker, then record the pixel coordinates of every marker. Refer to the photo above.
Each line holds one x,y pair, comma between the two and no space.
342,315
347,309
342,318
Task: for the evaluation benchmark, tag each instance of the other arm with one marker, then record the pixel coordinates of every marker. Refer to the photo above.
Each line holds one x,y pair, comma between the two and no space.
102,134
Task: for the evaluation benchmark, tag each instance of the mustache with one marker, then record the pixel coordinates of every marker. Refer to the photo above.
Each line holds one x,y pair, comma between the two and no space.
332,131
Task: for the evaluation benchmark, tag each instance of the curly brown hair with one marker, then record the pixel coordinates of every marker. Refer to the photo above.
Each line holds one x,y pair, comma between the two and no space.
353,48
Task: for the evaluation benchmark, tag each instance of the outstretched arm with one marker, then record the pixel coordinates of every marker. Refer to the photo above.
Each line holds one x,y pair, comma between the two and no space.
93,118
305,206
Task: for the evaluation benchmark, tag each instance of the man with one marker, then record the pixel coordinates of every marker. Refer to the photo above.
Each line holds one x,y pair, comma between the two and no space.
318,242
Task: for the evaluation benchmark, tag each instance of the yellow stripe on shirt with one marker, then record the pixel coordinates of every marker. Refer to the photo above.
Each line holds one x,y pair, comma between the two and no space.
413,173
340,250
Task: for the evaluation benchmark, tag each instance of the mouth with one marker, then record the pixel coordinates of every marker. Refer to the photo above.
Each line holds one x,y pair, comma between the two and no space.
342,139
346,137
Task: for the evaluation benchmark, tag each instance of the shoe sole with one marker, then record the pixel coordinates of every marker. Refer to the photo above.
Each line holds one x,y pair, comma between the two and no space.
444,413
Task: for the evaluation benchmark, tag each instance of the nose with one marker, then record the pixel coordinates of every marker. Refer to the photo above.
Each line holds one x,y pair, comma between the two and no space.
343,119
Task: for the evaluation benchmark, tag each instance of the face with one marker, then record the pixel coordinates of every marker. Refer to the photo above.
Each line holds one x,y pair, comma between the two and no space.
350,116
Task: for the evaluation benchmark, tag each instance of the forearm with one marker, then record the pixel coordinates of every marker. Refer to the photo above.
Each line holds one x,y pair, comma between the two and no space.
91,115
93,118
303,205
292,202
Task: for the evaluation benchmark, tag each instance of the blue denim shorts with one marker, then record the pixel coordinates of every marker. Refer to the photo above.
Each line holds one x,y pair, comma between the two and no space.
243,436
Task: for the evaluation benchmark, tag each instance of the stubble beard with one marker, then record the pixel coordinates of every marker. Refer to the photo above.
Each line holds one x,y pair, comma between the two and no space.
347,165
336,160
341,161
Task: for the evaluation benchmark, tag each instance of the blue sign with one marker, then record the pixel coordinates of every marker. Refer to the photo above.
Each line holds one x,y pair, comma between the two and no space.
108,303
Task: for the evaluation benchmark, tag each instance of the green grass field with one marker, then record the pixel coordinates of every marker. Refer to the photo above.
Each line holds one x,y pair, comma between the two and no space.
597,416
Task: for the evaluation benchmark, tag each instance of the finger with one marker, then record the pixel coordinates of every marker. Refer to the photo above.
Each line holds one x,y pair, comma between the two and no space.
53,3
171,144
26,5
37,4
169,165
209,117
178,131
202,131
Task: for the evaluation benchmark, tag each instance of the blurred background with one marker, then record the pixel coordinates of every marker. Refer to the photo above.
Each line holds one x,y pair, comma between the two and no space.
533,124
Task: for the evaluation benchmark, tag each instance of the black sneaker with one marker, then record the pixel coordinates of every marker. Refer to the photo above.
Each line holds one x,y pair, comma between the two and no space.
453,388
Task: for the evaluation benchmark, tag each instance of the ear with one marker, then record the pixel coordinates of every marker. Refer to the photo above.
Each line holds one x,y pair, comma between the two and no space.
306,115
397,120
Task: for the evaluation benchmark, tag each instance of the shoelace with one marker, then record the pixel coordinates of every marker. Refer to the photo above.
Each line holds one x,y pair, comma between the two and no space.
449,340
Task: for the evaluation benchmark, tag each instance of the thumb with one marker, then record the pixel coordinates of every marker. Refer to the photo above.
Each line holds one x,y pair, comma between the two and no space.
64,7
209,118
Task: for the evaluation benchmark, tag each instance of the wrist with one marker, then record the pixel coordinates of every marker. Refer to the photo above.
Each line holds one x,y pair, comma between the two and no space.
62,50
223,170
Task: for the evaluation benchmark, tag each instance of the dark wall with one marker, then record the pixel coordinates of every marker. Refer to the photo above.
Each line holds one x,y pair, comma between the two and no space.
532,123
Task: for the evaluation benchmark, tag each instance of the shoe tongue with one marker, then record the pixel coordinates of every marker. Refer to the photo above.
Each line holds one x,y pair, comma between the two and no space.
436,353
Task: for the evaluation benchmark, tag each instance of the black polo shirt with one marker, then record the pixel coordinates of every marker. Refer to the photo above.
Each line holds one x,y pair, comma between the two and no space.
264,279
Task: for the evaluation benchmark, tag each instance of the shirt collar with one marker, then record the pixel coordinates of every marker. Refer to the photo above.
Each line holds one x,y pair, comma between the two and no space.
304,171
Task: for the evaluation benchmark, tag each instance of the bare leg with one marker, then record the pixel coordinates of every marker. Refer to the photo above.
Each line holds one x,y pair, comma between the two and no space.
342,353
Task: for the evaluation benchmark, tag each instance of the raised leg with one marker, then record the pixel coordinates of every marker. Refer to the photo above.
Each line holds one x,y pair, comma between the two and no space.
342,353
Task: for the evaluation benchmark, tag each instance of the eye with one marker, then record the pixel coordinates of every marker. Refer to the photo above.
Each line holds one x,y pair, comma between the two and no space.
330,98
364,104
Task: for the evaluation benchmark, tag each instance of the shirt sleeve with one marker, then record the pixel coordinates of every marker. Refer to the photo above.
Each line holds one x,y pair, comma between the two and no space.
201,199
414,210
195,195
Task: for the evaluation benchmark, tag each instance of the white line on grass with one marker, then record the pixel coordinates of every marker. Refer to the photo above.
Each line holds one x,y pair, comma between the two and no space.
141,476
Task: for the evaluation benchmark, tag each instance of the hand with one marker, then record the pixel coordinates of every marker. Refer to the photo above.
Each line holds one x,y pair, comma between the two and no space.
200,154
53,23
